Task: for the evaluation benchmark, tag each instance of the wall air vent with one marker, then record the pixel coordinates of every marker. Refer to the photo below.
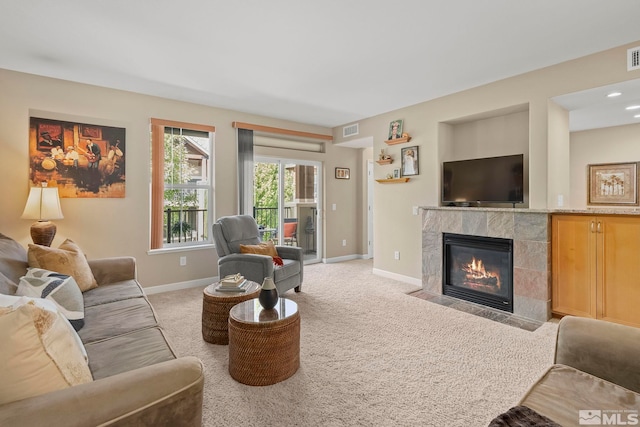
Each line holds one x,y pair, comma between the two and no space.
633,59
350,130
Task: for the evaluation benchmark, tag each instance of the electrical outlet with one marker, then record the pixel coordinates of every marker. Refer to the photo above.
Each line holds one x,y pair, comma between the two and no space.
333,207
415,210
183,261
396,255
344,243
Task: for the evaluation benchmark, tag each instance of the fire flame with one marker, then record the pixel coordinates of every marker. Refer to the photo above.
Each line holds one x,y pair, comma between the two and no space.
476,271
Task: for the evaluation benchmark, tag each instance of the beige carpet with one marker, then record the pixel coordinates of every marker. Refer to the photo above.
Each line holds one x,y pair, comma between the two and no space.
370,355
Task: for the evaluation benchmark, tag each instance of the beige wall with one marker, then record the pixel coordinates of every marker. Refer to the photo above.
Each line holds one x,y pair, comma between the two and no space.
113,227
617,144
503,135
429,124
558,179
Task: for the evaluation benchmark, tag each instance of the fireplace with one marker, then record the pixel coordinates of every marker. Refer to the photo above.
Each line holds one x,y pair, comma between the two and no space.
478,269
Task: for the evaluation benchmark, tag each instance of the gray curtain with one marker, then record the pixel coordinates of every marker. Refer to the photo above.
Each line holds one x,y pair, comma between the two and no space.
245,172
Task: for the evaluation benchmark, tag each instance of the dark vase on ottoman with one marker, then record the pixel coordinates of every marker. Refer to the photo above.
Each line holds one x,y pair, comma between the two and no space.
268,294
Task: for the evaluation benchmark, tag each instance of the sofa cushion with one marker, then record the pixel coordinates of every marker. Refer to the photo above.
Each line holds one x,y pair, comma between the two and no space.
40,352
563,392
59,288
13,259
7,287
112,292
116,318
128,352
68,259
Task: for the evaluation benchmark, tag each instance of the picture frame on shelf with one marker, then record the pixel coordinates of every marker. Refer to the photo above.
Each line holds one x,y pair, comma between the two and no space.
613,184
410,163
395,129
342,173
396,173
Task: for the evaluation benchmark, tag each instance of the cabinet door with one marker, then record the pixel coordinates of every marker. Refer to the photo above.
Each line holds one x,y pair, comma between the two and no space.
619,269
573,265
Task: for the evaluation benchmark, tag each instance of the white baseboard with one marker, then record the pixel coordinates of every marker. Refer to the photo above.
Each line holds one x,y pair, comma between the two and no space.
198,283
398,277
343,258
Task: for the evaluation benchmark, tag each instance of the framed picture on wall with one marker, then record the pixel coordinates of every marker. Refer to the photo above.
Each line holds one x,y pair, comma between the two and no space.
613,184
409,157
395,129
85,160
342,173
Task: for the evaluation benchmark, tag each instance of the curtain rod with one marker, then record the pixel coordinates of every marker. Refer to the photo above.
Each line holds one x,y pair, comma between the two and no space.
269,129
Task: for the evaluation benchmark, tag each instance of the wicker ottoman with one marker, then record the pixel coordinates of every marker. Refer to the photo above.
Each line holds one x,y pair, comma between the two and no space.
264,345
215,311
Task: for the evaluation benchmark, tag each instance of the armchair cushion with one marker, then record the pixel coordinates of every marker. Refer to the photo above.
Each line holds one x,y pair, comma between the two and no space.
232,231
289,269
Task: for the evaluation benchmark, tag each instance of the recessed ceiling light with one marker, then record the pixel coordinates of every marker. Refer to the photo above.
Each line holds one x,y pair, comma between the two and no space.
633,107
614,94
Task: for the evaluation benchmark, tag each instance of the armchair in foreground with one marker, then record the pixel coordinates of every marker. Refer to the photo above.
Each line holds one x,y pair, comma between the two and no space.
229,232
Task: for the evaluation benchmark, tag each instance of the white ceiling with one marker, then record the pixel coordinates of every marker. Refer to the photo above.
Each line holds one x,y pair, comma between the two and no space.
328,62
592,109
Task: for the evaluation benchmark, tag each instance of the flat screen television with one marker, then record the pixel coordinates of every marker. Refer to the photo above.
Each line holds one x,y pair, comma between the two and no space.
487,180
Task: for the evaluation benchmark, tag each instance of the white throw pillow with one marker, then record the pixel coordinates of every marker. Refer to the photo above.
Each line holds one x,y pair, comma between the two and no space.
59,288
41,352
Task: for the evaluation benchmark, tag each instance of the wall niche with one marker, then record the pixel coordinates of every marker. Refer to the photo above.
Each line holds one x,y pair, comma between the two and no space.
500,132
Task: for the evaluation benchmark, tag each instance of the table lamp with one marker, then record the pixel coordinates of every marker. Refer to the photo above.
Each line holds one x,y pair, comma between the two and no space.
43,204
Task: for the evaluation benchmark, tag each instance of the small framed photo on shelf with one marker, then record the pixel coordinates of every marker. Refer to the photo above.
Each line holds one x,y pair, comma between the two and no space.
395,129
409,157
342,173
613,184
396,173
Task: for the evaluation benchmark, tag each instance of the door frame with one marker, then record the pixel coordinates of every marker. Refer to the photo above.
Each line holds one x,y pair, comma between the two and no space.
369,209
320,170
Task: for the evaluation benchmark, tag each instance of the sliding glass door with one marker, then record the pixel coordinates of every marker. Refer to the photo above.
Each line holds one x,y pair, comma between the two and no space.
286,203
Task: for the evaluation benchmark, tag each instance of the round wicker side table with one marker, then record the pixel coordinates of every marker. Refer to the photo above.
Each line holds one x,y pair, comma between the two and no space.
215,311
264,345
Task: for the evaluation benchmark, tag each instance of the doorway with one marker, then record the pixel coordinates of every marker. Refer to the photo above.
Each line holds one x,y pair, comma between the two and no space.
287,203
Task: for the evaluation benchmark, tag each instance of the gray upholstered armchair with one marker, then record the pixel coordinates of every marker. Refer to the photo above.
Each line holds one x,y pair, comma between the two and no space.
229,232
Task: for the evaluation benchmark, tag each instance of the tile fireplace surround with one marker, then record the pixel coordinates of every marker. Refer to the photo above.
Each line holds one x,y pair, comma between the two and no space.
531,234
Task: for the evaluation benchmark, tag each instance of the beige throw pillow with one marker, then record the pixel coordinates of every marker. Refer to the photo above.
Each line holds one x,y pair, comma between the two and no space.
39,353
67,259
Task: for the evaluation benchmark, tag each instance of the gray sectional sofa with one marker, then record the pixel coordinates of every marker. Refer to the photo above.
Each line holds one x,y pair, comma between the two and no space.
138,378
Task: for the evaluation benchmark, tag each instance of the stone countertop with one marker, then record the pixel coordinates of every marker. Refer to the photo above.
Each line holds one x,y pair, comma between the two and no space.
589,211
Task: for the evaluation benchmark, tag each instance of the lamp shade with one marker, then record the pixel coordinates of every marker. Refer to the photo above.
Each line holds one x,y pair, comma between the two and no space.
43,204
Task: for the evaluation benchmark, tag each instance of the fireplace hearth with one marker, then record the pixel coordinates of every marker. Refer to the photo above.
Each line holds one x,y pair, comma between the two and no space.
478,269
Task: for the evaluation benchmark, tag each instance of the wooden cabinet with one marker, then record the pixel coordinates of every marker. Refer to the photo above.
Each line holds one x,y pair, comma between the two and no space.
596,267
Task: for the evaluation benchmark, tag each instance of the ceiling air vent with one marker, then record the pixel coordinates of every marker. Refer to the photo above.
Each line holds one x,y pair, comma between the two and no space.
633,59
350,130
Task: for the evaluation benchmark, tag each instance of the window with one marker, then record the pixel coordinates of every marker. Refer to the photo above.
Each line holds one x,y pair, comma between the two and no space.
181,184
